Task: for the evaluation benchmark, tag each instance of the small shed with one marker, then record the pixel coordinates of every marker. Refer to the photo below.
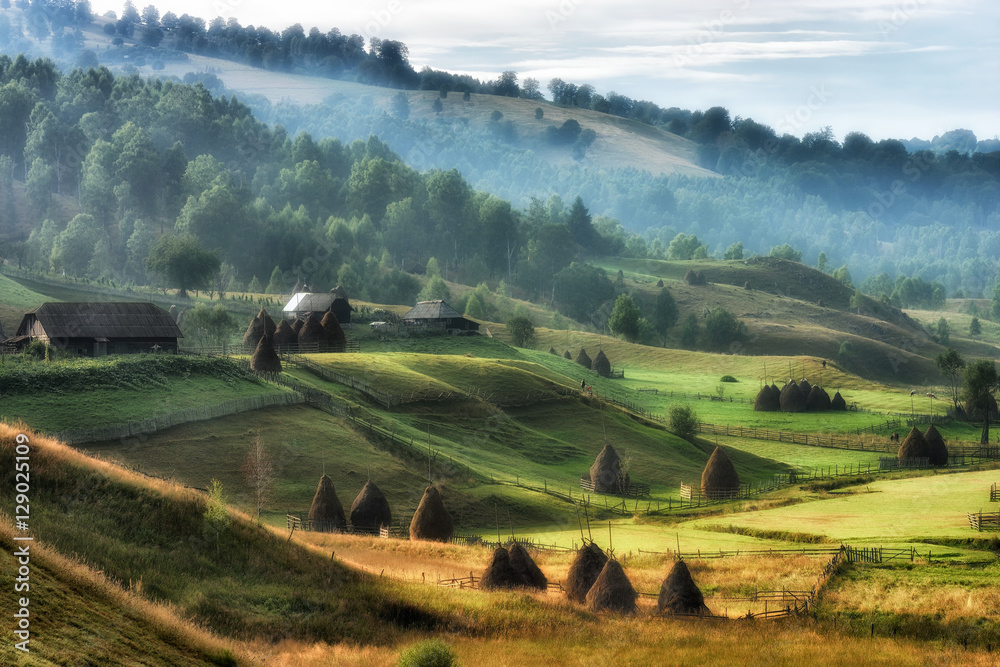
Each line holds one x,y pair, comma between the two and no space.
99,329
335,301
437,313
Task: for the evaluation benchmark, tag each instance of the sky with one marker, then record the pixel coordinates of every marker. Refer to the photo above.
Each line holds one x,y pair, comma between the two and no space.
900,69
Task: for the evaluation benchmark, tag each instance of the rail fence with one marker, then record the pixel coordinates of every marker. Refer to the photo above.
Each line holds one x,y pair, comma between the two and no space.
981,521
154,424
734,553
994,493
632,490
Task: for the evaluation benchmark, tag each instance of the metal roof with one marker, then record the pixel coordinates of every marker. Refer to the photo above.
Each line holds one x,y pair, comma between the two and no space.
313,302
103,320
431,310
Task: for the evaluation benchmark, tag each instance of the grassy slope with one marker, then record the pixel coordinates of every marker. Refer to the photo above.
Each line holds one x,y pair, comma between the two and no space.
15,301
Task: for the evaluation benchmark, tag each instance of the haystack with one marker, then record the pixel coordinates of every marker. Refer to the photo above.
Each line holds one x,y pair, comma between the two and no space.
914,447
805,387
939,450
370,510
431,521
312,331
583,359
679,594
691,277
297,327
334,332
265,318
583,572
284,336
719,479
601,364
499,574
612,591
818,400
265,359
838,402
606,473
253,334
524,566
768,399
326,512
791,399
567,355
552,350
659,283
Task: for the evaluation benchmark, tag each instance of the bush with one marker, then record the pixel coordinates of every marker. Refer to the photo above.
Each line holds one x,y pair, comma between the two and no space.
522,331
430,653
728,378
683,421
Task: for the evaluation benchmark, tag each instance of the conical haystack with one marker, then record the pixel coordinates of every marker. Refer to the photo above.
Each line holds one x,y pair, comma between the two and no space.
612,591
524,566
583,572
583,359
265,359
326,512
312,332
606,473
552,350
333,331
253,334
268,323
805,387
431,521
691,278
297,327
914,446
791,399
659,283
499,574
838,402
818,400
679,594
567,355
768,399
939,450
284,336
601,364
370,510
719,479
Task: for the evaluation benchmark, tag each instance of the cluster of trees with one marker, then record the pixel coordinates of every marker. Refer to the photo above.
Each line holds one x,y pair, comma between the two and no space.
905,292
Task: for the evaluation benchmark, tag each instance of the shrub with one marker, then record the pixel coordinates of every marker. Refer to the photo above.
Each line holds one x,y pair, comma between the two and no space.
522,331
728,378
430,653
683,421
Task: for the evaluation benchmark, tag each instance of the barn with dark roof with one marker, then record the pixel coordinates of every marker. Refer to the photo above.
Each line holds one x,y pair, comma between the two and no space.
98,329
334,301
439,314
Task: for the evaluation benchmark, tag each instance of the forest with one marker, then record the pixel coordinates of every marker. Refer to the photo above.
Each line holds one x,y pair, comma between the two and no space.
144,156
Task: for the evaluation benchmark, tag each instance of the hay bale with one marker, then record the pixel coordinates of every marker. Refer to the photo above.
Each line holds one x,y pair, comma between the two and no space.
791,399
914,447
370,510
524,566
606,473
679,594
838,402
583,572
326,512
659,283
719,479
768,399
939,450
818,400
499,574
567,355
312,331
583,359
334,333
431,521
601,364
265,359
284,336
612,591
552,350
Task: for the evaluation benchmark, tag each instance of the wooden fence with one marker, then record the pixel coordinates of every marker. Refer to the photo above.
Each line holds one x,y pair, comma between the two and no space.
154,424
733,553
893,463
984,521
633,490
994,493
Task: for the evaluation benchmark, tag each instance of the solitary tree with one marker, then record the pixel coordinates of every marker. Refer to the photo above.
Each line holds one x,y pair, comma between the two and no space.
258,473
721,328
980,383
624,320
683,421
182,262
975,328
664,313
952,365
522,331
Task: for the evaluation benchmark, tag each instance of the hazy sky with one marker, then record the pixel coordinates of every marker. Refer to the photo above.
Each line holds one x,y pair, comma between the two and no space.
892,69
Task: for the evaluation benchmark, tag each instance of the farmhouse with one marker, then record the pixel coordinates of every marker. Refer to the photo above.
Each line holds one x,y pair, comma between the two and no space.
98,329
335,301
439,314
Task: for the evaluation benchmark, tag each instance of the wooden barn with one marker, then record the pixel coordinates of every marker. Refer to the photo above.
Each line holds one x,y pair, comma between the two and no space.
303,303
439,314
98,329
